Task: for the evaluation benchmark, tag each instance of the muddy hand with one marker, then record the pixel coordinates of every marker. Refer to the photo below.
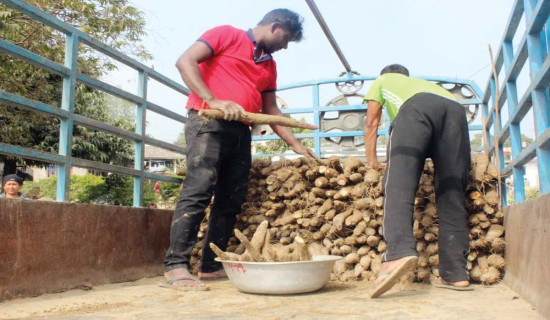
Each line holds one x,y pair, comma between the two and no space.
306,152
231,110
373,163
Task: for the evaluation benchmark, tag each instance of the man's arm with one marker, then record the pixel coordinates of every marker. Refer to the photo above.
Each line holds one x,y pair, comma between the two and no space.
374,112
188,66
270,107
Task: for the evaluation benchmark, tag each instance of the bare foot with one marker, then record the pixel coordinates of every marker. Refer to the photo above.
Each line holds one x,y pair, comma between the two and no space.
181,277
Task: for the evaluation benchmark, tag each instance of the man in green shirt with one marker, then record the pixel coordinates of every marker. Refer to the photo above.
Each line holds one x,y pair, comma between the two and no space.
427,122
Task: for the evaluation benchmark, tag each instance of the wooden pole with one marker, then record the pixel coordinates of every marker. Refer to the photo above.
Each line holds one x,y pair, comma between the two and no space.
485,139
259,118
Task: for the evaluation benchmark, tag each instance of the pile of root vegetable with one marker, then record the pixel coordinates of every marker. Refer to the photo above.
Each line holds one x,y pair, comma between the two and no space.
336,208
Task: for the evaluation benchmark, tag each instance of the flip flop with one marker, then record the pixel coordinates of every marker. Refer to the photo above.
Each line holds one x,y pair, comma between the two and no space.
169,284
219,274
444,285
393,276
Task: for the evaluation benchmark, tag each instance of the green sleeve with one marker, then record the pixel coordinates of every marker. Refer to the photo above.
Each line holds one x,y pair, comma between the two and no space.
375,92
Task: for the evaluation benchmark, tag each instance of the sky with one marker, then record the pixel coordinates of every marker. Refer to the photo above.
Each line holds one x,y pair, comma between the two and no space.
431,37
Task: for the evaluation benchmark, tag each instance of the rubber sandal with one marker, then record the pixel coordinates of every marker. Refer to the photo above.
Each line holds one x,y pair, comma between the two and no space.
216,275
169,284
444,285
393,276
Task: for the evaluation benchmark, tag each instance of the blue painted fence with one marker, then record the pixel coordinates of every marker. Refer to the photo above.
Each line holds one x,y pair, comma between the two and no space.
532,53
473,98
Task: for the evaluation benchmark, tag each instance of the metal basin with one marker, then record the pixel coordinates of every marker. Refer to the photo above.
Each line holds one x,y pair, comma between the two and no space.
280,277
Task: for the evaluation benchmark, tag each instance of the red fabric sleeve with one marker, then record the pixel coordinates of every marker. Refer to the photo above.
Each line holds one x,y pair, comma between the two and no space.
218,38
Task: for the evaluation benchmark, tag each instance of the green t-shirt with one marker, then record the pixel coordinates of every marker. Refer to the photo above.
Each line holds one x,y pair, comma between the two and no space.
393,89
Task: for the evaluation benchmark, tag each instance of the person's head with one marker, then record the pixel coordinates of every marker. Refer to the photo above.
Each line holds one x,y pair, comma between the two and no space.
281,26
395,68
152,205
11,185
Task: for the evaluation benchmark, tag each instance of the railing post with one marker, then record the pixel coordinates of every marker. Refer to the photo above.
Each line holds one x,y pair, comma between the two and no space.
515,132
492,115
66,127
140,145
536,48
316,120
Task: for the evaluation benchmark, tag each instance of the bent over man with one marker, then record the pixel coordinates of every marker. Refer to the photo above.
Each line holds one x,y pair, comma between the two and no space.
427,122
231,70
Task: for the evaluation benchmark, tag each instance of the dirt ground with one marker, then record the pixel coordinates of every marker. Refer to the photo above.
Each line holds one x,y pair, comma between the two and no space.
144,299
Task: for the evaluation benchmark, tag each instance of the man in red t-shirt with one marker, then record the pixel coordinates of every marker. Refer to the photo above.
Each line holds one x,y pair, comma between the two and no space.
231,70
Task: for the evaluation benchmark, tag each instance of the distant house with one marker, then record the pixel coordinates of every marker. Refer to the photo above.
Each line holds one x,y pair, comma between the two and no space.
39,173
161,160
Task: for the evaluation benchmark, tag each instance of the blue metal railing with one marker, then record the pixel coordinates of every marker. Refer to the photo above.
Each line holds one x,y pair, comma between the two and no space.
532,49
66,114
317,109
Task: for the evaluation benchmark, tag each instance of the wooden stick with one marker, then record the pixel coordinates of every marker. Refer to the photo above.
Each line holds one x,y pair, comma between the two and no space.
497,128
259,118
485,140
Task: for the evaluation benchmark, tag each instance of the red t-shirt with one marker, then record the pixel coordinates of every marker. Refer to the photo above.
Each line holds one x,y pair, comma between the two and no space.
231,72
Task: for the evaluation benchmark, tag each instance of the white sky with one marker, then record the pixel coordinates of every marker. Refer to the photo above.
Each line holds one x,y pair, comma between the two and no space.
431,37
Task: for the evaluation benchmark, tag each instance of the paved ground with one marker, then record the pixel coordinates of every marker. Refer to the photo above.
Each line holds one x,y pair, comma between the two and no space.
144,299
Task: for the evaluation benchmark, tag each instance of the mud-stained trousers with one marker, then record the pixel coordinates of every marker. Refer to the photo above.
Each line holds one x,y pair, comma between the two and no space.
428,126
218,163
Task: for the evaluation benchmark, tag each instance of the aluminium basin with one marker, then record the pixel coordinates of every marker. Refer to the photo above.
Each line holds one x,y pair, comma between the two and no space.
280,277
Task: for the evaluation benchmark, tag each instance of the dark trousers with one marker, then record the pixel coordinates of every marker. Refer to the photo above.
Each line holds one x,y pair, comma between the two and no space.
218,163
431,126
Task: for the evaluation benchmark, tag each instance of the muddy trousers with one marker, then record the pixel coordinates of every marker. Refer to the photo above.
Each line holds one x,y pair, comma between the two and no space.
218,163
428,126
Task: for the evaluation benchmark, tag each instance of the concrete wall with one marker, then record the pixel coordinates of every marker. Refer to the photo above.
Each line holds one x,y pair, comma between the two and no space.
528,251
52,247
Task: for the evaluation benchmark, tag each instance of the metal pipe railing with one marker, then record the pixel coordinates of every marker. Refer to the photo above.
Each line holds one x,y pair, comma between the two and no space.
328,33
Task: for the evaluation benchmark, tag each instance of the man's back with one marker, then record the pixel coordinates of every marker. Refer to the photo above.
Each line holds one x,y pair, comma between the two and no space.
393,89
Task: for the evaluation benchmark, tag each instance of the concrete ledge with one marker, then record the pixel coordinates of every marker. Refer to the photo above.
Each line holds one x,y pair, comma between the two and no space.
528,251
53,246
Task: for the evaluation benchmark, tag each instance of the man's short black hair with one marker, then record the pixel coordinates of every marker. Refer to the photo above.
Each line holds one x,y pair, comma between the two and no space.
395,68
289,20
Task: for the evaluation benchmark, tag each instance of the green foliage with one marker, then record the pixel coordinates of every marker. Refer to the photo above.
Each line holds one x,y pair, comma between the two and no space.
180,141
45,188
113,190
531,193
120,190
114,22
87,188
279,146
169,191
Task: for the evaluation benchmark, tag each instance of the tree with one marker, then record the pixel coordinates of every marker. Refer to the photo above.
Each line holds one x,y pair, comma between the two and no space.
279,146
180,141
113,189
112,21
